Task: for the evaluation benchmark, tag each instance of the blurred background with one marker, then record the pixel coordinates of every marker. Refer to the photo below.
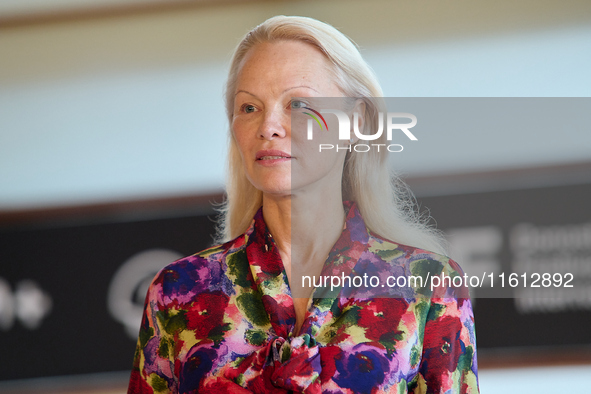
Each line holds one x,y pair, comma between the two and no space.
112,150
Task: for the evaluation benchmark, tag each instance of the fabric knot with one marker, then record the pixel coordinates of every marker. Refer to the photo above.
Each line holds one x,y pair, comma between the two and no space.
281,366
296,365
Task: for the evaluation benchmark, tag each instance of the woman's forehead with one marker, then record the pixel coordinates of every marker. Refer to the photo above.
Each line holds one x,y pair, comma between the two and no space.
284,64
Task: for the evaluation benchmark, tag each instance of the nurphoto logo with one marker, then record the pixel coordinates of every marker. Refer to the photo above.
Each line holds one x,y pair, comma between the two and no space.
345,129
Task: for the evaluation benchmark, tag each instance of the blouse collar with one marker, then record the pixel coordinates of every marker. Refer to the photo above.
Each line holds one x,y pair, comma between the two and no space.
269,273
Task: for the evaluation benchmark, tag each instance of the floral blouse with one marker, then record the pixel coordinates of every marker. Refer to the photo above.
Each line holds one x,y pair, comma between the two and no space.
221,321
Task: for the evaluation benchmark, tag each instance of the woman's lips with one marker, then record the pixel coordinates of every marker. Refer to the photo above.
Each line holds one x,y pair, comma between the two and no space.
272,156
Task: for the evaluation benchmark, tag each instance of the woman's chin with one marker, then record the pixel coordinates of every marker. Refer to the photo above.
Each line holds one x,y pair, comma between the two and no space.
276,190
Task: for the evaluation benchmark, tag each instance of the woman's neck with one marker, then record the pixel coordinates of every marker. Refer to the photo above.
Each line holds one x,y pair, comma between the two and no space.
305,228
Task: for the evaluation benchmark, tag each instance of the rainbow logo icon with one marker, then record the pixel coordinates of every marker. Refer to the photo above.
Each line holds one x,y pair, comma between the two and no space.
315,118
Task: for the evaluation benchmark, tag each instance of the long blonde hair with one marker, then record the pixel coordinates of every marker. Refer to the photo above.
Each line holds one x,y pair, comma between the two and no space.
384,201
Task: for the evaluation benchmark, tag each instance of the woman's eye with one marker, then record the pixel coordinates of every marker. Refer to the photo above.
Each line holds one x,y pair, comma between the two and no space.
248,108
295,104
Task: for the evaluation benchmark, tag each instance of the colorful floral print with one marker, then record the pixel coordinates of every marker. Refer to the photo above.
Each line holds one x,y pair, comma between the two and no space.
222,321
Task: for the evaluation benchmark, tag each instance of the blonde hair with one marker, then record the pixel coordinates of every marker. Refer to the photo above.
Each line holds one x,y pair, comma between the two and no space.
386,204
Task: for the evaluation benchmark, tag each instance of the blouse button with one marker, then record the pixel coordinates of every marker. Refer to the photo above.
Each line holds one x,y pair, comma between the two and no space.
280,382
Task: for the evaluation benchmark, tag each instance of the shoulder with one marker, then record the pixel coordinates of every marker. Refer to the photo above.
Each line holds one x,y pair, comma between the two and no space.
395,252
201,272
437,271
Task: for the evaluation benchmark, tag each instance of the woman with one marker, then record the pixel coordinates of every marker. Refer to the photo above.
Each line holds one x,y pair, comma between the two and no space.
229,319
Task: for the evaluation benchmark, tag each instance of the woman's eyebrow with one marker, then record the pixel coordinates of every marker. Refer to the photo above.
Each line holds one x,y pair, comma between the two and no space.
243,91
300,86
285,91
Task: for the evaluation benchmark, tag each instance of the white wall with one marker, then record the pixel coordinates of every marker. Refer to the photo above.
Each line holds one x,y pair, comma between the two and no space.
114,109
160,132
112,137
540,380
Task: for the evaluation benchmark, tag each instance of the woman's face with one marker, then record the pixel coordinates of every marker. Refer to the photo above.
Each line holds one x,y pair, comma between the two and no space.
276,161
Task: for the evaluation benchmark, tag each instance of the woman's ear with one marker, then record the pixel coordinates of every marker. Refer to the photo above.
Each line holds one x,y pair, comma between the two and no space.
358,121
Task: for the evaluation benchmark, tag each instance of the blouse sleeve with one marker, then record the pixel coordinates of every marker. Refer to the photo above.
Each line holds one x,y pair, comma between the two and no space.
448,363
153,366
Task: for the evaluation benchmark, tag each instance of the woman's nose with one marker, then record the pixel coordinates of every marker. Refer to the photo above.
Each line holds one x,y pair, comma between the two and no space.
275,124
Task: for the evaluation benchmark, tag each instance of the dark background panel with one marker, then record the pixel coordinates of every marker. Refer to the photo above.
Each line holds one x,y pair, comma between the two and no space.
499,323
75,266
